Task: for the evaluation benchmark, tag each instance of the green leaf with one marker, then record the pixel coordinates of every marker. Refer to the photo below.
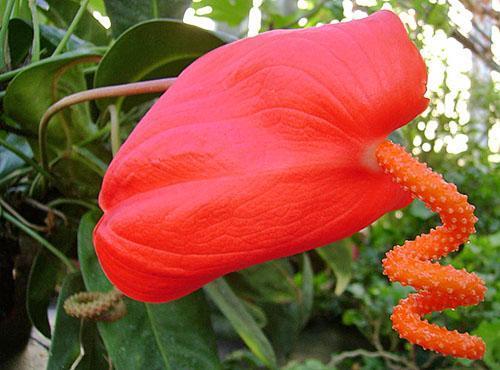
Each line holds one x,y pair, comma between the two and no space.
244,324
52,36
75,343
8,160
44,275
309,364
176,335
437,16
232,12
153,49
127,13
41,284
61,14
22,10
490,332
21,39
20,36
419,210
34,89
397,137
338,257
79,174
257,313
271,281
98,5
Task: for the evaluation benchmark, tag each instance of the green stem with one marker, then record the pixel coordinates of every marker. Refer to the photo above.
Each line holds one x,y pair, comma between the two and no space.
35,50
90,160
14,213
24,157
16,173
79,14
3,33
77,202
97,135
115,129
136,88
156,12
56,252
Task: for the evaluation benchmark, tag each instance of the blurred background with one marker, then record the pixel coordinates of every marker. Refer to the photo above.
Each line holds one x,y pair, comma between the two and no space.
325,309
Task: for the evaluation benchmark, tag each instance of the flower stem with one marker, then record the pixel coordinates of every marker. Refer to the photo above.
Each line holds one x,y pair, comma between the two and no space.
115,129
79,14
136,88
78,202
14,213
156,12
35,49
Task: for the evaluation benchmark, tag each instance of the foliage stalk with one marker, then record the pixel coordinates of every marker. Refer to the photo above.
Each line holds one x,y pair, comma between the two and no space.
78,202
50,247
136,88
156,12
74,23
115,129
35,49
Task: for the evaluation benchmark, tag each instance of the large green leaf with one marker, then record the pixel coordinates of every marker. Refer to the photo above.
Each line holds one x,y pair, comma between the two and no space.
127,13
34,89
241,320
338,257
62,12
153,49
176,335
75,343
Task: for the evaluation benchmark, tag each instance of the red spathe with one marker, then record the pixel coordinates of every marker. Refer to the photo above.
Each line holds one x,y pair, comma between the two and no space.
262,149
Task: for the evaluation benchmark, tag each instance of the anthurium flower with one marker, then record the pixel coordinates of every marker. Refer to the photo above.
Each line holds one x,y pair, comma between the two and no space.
262,149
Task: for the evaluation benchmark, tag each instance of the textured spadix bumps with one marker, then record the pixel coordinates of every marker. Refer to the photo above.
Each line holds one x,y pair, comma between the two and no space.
262,149
439,287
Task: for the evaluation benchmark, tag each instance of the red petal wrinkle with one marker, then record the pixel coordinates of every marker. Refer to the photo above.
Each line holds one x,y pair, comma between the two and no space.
262,149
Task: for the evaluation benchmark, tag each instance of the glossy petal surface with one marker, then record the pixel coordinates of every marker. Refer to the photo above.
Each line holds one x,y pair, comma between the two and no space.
262,149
